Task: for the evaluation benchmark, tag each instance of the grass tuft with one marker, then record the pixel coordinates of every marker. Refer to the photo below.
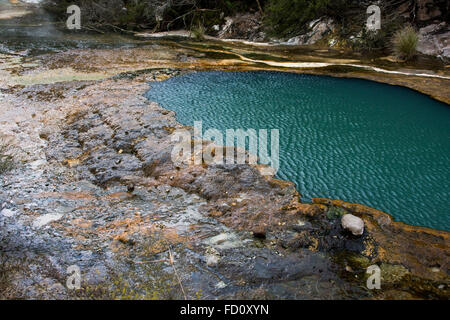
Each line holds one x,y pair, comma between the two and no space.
198,32
405,43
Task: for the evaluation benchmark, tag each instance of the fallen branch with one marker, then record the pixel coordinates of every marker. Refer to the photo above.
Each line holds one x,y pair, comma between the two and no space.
171,259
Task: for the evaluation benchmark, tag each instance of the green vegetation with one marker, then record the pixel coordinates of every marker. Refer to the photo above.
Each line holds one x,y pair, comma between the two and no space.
6,159
290,17
405,43
158,15
335,212
279,18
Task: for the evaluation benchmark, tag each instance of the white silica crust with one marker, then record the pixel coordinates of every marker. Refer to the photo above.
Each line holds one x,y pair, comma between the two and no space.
353,224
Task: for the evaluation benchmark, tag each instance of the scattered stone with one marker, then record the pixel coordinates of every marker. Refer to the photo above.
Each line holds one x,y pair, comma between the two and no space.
212,257
221,285
212,261
353,224
225,241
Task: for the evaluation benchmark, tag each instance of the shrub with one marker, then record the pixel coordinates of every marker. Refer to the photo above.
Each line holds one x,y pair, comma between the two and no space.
126,14
405,43
147,14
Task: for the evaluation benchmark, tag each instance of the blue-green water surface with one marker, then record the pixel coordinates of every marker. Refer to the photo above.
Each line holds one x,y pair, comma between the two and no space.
360,141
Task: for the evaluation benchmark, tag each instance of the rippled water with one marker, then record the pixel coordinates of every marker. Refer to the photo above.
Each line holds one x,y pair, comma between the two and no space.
355,140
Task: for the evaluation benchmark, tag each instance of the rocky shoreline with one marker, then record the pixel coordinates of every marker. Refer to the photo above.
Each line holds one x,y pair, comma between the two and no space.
94,187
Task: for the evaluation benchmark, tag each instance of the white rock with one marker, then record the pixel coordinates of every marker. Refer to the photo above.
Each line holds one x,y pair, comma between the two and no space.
212,261
225,241
8,213
45,219
352,223
221,285
212,257
301,223
37,164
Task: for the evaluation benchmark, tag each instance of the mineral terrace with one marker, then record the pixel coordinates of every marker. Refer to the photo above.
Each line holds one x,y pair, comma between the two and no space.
94,186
